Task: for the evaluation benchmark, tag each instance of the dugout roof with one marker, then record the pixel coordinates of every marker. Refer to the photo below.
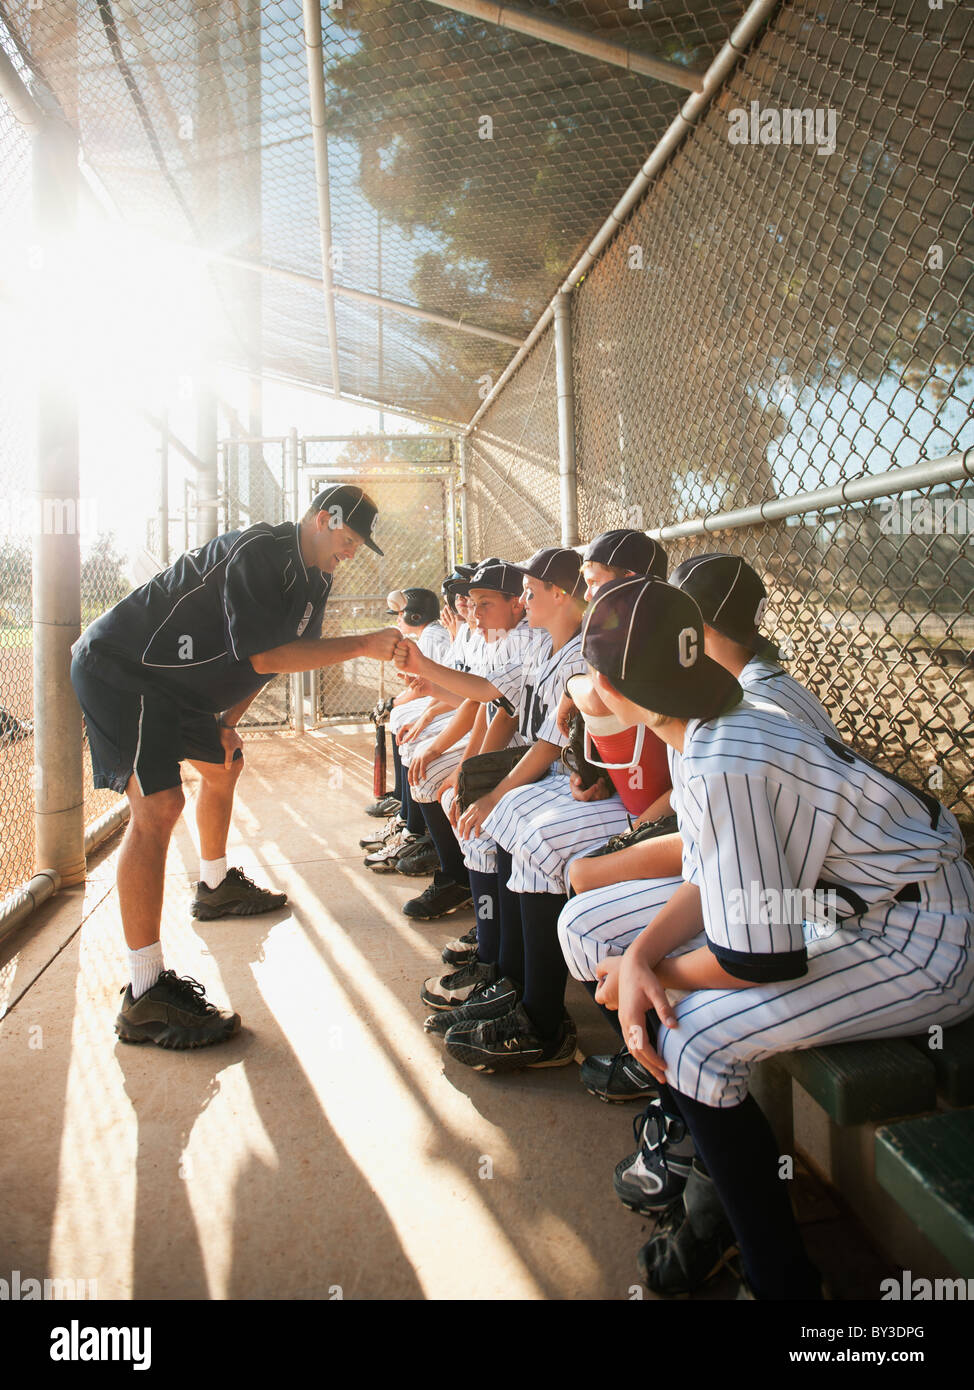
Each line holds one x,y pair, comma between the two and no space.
468,165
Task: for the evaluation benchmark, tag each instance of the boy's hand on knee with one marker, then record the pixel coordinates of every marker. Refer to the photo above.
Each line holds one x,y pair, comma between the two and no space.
607,974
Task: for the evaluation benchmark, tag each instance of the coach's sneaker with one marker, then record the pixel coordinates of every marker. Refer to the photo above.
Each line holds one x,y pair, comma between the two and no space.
385,806
237,896
509,1043
378,838
173,1013
486,1001
693,1242
462,948
656,1174
618,1078
385,860
420,860
440,898
447,991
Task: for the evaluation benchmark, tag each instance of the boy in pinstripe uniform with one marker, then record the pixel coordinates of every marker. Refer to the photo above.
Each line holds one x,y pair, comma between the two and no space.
621,889
774,813
528,697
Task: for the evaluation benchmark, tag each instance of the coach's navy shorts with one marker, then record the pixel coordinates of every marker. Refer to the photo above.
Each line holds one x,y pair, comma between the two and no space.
133,729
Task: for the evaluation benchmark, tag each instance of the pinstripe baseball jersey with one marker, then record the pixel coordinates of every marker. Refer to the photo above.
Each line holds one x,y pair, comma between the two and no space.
536,686
776,813
462,650
766,680
434,641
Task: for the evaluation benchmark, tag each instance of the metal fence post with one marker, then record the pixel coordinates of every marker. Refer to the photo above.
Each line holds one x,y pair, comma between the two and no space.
568,476
294,494
59,817
164,490
207,481
464,525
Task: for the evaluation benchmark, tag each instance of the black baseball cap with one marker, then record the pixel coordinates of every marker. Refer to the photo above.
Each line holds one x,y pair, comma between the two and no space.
350,506
646,638
458,581
498,574
628,550
557,566
728,593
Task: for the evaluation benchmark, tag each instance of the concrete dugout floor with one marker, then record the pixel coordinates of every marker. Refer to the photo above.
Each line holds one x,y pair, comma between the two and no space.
332,1145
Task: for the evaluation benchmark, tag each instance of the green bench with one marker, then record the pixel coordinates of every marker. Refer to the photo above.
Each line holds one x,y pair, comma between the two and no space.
924,1161
863,1082
927,1167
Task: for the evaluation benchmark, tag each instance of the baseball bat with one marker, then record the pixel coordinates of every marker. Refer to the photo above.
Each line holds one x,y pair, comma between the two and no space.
379,763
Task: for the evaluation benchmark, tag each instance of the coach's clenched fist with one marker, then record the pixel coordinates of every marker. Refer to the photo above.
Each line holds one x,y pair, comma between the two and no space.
382,644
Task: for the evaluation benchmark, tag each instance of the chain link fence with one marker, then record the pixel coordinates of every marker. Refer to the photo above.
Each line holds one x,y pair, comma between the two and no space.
774,318
513,487
415,528
17,446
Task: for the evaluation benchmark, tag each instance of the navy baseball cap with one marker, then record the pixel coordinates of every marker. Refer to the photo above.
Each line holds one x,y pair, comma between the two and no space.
728,593
458,581
350,506
646,638
628,550
498,574
557,566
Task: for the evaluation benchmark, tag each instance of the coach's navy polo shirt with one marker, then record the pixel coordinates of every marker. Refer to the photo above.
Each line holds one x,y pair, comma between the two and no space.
190,631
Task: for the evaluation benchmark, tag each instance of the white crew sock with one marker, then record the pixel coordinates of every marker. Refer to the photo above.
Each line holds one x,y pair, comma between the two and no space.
146,966
213,871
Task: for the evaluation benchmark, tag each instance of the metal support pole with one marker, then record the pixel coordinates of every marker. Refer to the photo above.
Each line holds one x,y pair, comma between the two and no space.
207,482
186,514
294,496
568,476
464,524
59,813
451,554
164,491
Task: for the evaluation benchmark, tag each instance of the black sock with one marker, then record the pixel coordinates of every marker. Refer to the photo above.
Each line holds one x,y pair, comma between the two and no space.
510,955
739,1151
484,890
411,813
447,844
545,968
611,1014
397,764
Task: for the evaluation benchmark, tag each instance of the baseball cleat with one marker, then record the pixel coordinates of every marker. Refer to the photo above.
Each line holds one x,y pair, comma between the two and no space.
174,1013
618,1078
382,837
237,896
486,1001
421,859
509,1043
462,948
656,1174
438,900
447,991
693,1242
385,860
385,806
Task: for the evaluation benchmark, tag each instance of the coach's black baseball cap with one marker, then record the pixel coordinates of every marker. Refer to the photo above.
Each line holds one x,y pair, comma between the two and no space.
350,506
497,574
646,638
728,593
557,566
628,550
